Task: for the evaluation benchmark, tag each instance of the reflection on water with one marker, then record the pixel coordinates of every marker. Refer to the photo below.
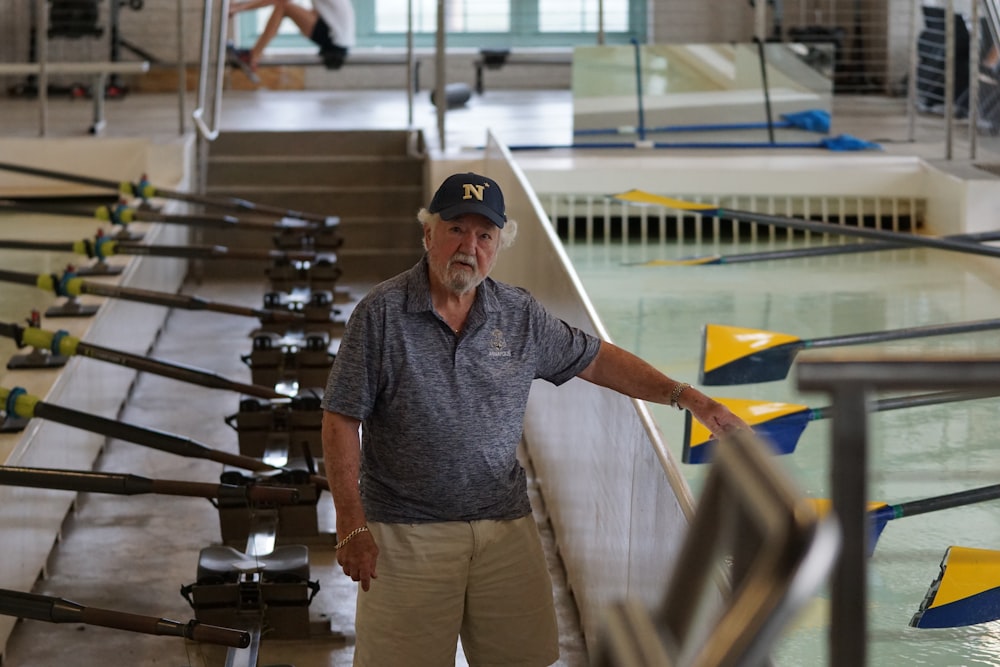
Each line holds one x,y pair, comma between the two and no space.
658,312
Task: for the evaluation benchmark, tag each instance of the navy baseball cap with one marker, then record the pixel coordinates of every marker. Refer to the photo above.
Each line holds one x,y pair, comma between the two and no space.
469,193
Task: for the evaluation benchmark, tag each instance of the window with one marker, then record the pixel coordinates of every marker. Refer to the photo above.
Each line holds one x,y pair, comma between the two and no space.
474,23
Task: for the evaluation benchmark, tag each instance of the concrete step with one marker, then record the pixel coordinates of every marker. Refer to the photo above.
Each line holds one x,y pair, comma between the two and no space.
353,142
392,200
331,170
375,264
381,232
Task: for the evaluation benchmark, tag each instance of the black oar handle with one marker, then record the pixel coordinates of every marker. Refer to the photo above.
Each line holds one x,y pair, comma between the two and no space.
58,610
52,246
150,625
19,277
947,501
130,485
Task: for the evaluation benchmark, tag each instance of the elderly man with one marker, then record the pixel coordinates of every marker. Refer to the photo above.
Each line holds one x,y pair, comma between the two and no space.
432,508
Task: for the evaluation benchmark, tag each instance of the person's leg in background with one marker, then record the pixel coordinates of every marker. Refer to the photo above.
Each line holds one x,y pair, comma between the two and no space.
304,19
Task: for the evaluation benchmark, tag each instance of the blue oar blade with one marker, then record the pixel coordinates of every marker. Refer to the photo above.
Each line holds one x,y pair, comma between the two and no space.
782,432
761,366
877,519
967,591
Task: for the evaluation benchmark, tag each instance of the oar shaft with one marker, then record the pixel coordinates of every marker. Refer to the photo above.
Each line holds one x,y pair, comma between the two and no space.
926,331
131,214
58,610
957,499
147,437
238,203
914,401
862,232
150,625
103,482
173,370
19,277
842,249
52,246
205,200
212,252
60,176
124,484
69,345
185,302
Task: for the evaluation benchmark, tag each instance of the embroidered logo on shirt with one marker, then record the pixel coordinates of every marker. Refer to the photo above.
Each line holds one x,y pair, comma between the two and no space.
498,346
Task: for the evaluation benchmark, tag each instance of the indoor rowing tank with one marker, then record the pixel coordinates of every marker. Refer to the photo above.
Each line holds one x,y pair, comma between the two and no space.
659,312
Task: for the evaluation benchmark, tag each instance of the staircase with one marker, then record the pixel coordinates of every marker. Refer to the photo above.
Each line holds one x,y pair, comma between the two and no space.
372,180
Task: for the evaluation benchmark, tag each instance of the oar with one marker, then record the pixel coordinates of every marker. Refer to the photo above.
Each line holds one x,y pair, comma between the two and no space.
59,610
783,423
641,197
816,120
966,591
69,285
123,215
61,343
881,513
145,190
19,403
736,355
102,247
801,253
124,484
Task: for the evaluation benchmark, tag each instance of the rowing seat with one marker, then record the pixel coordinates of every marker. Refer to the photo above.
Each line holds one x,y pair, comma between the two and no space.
273,590
221,564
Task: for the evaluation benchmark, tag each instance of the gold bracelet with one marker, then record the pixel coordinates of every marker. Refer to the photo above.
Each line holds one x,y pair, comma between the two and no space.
676,394
350,536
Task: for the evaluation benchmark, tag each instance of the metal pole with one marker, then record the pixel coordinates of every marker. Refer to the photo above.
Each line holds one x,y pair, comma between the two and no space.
949,78
848,478
440,71
42,39
410,82
760,20
911,81
973,92
181,70
600,22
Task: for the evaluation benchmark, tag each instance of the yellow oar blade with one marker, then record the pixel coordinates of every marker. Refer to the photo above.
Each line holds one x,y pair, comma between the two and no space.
823,506
967,591
641,197
736,355
781,424
682,261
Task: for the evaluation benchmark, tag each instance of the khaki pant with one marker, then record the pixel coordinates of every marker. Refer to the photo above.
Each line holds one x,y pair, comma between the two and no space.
485,580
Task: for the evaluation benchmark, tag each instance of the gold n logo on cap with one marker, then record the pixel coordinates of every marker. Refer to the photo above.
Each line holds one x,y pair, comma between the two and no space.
472,190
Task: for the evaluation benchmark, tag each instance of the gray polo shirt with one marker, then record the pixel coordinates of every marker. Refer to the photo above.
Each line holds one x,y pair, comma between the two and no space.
442,414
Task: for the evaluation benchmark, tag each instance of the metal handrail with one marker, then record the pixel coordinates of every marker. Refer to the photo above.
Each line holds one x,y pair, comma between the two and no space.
849,379
210,133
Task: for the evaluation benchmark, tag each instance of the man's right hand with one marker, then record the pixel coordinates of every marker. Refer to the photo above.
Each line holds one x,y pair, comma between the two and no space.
358,558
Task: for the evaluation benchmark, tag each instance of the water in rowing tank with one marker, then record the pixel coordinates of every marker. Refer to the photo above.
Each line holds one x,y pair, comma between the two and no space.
658,312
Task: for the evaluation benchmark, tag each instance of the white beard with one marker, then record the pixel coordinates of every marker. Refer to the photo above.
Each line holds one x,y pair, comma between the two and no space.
457,278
